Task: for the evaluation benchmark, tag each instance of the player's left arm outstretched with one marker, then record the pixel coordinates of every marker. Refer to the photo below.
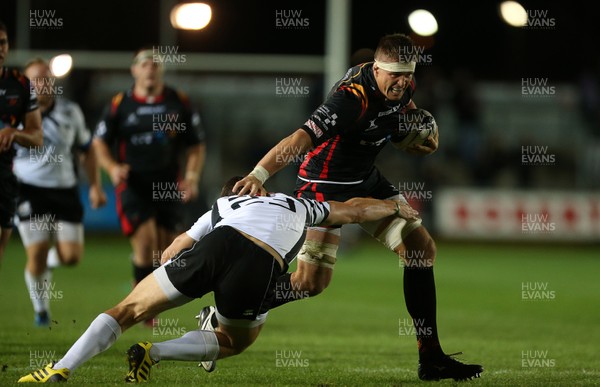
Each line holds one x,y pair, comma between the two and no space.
359,210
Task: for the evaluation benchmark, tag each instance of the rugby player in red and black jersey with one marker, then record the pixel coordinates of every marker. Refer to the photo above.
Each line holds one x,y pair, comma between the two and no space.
140,141
342,138
18,105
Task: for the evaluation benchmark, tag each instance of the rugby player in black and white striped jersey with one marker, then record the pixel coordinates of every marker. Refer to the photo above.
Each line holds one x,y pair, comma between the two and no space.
237,250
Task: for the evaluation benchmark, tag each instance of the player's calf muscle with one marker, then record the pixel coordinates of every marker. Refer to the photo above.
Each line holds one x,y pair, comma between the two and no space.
311,278
418,246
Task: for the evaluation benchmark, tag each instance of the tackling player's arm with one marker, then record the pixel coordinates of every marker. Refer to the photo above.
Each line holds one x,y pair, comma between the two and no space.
30,135
186,240
183,241
359,210
296,144
429,146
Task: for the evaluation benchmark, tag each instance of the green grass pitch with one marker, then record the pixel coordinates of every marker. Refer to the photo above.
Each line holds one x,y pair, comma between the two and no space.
355,334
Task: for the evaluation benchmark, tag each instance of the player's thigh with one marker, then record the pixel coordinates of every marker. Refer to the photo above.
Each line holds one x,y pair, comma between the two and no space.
320,248
316,260
134,206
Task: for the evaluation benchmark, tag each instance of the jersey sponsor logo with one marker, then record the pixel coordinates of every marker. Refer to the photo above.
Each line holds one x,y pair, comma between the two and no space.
324,115
142,138
149,110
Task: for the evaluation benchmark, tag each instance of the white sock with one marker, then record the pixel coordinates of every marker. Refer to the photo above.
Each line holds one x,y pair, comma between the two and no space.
100,335
53,261
39,288
195,345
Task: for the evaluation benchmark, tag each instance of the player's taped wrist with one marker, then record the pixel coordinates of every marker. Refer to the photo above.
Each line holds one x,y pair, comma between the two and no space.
260,173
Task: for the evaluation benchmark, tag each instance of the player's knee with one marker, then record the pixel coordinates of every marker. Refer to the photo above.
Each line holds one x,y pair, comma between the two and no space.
70,259
429,252
238,347
420,255
124,314
238,343
311,286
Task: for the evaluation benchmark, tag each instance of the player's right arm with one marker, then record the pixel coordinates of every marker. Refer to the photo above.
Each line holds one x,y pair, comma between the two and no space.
105,134
186,240
182,242
118,172
336,115
359,210
298,143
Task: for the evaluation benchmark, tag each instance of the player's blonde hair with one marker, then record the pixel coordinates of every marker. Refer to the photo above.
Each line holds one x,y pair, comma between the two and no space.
389,46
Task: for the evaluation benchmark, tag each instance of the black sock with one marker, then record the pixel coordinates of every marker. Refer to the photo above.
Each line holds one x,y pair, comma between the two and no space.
419,294
285,292
139,273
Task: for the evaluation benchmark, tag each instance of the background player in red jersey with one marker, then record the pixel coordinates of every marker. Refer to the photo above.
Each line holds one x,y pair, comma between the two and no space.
343,137
140,141
18,105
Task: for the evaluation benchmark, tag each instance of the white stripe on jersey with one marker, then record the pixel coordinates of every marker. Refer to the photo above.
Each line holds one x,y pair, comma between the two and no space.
330,181
278,220
51,165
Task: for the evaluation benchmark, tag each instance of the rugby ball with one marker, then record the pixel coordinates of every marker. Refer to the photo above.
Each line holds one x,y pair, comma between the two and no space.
414,127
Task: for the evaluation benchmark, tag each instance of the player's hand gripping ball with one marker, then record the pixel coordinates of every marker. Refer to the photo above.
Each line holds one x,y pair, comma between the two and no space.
414,127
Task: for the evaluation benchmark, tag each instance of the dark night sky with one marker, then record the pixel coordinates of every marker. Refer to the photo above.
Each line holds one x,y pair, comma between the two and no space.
471,34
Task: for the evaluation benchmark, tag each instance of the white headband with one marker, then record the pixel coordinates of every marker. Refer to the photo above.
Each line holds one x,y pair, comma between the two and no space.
397,67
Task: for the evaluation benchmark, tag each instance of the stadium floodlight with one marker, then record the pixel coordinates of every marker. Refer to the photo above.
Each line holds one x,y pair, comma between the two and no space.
423,22
513,13
191,16
61,65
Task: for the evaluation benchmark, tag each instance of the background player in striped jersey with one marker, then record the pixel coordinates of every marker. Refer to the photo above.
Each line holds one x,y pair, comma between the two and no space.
18,105
49,206
238,249
342,138
140,141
